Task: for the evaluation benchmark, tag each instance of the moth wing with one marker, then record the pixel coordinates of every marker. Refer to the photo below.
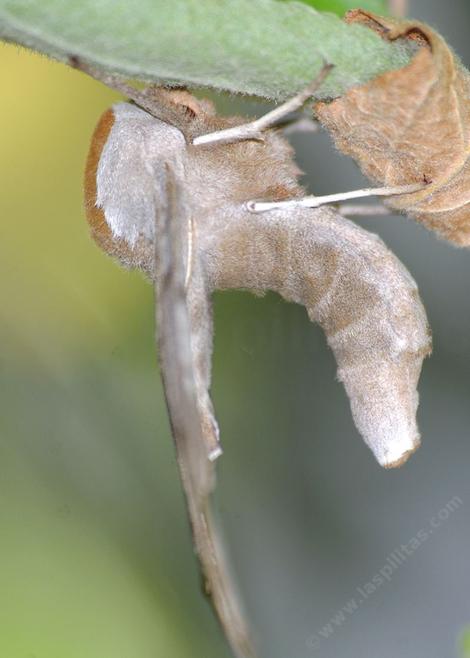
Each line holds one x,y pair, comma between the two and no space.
184,326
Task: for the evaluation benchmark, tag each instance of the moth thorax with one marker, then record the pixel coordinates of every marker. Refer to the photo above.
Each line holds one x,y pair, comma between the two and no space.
125,175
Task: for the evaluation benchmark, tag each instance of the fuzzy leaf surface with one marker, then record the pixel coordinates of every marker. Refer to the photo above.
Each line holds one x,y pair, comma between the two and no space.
265,48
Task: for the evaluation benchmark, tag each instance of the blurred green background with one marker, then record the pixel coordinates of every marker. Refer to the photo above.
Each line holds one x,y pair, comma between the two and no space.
95,553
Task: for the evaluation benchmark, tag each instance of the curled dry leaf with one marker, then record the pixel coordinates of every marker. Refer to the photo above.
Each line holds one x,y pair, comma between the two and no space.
178,211
412,125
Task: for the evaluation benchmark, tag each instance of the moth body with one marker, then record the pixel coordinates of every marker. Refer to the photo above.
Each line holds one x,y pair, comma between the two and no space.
127,147
349,282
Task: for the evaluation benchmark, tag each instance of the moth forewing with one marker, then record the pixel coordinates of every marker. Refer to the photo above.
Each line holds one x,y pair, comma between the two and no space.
181,339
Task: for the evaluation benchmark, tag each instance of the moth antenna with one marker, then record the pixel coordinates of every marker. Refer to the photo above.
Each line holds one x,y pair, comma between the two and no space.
254,129
317,201
109,79
152,105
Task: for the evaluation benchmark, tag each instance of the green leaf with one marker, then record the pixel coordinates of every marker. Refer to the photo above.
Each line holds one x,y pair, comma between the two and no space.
340,7
261,47
465,643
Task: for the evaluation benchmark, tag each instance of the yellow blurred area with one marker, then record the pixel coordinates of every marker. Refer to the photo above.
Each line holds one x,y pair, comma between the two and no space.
72,593
57,289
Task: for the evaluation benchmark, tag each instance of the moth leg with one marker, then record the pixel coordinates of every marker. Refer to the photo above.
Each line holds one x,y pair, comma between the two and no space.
254,129
317,201
363,210
300,124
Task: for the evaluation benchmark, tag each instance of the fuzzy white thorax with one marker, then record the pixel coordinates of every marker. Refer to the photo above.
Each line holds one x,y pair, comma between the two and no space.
131,170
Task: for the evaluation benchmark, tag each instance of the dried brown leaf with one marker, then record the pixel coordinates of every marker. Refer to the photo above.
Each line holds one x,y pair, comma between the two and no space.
412,125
